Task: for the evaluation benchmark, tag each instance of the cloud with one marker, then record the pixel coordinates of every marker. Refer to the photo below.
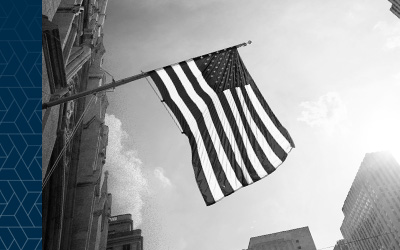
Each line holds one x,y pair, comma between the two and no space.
391,33
328,112
159,174
126,181
181,244
354,15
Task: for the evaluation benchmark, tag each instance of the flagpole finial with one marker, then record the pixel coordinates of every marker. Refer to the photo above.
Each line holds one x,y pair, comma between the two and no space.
243,44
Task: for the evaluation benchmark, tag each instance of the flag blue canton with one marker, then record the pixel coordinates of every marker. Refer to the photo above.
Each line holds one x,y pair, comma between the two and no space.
223,71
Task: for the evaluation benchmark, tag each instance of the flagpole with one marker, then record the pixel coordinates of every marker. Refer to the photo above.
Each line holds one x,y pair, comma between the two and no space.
94,91
114,84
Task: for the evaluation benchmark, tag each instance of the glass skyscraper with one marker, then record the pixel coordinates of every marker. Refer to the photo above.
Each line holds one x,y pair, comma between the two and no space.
372,206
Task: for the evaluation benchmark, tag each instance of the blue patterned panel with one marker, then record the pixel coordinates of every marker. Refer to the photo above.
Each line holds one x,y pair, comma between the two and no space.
20,124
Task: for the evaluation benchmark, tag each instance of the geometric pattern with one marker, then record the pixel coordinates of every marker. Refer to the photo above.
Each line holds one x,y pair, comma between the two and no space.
20,124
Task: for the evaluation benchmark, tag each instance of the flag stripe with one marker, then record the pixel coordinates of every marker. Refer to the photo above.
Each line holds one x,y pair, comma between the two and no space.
196,123
282,131
254,111
272,116
247,152
248,141
210,124
275,161
206,180
170,103
261,111
220,120
265,162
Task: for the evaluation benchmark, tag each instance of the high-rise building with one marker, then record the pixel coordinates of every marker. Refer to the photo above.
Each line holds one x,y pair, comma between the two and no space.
299,238
341,245
372,206
122,236
395,7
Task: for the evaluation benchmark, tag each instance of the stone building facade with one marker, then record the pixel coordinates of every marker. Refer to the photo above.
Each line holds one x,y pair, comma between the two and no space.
76,203
372,206
122,236
299,238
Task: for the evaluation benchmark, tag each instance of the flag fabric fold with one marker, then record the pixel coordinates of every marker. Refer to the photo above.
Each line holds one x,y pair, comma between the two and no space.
235,137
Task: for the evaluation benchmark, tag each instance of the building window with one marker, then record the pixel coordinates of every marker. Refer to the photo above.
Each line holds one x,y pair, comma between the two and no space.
126,247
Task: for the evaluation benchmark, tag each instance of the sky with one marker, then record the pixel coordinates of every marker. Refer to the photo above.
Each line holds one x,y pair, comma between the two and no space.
330,71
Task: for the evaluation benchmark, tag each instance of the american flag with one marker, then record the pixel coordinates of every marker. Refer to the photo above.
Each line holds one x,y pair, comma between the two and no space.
235,138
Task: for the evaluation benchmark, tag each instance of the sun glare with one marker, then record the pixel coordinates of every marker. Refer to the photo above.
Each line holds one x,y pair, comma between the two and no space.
383,135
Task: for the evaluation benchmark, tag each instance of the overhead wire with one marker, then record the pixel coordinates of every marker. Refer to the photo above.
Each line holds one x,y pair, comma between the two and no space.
53,167
165,106
362,239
